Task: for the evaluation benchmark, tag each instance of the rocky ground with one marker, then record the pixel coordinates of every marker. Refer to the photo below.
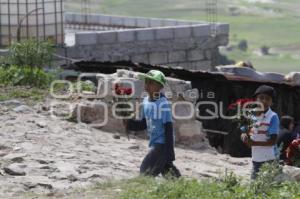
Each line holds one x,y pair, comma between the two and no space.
42,154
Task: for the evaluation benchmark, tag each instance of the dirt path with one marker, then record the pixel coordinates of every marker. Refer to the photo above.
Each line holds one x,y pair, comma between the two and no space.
44,154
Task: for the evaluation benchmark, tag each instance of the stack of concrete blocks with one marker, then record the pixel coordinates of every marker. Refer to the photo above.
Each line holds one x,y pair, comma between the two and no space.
188,130
189,45
113,21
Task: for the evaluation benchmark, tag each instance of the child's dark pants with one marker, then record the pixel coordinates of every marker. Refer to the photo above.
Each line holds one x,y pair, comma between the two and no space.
156,162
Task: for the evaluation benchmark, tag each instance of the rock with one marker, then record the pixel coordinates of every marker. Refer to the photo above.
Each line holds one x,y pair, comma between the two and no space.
11,103
92,174
292,172
41,124
134,147
3,147
72,178
42,161
65,171
15,170
23,109
32,182
116,136
15,157
34,185
45,107
201,146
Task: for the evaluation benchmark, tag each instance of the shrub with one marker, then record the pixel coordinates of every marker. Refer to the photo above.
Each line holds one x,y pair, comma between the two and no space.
31,53
243,45
25,76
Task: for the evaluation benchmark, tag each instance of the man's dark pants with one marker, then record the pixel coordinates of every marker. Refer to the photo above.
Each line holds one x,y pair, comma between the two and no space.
156,162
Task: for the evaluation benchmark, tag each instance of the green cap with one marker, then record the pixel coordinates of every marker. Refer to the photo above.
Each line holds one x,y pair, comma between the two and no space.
154,75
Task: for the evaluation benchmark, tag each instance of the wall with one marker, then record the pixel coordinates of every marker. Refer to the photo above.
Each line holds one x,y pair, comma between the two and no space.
191,45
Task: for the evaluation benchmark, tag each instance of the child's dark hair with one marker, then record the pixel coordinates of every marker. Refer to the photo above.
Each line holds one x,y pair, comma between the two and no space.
285,121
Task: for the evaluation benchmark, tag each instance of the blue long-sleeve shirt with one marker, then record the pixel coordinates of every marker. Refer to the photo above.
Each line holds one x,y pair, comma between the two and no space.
156,116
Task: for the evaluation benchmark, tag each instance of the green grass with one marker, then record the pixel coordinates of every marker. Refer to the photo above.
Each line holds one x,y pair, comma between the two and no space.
279,30
228,186
28,94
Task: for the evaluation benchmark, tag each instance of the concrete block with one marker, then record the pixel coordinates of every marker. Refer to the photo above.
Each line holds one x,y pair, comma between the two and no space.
104,19
192,23
145,34
164,33
78,18
203,65
222,29
130,22
156,23
184,111
106,37
190,132
69,17
86,38
183,32
201,30
143,58
177,56
188,65
222,40
178,86
195,55
116,58
93,19
158,58
117,21
143,22
208,54
169,22
197,65
182,23
126,35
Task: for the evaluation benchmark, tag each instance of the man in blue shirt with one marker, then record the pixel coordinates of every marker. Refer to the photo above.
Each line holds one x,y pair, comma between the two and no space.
156,116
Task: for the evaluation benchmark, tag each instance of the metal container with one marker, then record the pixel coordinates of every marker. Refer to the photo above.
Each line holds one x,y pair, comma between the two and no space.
25,19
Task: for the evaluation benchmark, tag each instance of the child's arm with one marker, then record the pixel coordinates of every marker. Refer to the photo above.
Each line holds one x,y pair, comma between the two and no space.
272,132
169,138
137,125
